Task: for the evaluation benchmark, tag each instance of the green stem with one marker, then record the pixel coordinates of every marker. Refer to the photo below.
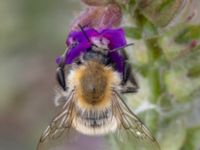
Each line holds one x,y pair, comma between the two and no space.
154,53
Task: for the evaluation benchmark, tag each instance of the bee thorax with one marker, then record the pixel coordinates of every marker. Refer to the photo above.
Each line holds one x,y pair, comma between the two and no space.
93,83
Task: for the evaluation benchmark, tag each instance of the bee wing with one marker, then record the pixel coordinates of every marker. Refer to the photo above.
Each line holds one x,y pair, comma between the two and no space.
61,122
131,128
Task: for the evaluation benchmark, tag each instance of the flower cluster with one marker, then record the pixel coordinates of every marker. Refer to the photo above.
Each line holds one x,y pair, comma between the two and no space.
102,19
78,44
99,17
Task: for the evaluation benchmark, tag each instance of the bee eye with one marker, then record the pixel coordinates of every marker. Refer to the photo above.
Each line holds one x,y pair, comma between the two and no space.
60,75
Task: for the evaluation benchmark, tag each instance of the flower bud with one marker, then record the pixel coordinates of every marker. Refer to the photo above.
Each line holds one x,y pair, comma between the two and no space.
99,17
97,2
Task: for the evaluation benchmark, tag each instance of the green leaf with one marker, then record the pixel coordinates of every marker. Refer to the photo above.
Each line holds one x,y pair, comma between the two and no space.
173,136
142,69
191,32
159,12
149,30
133,32
192,140
194,71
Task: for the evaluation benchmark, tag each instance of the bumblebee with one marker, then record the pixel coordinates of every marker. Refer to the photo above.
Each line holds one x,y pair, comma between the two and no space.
91,93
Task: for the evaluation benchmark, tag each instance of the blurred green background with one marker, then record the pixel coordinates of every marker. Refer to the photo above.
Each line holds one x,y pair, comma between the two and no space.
33,33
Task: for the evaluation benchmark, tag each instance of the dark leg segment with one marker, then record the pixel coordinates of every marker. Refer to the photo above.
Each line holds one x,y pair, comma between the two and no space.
60,76
128,76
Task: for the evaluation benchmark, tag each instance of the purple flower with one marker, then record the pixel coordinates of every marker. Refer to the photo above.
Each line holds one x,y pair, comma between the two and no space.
78,44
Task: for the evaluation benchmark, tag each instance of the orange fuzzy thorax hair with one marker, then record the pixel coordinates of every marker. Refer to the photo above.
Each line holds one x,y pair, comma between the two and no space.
93,83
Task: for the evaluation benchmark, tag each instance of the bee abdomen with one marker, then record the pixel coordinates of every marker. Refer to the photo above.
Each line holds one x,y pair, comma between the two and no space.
95,126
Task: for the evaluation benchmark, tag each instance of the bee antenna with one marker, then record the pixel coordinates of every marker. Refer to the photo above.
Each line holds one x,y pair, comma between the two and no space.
120,48
63,57
85,34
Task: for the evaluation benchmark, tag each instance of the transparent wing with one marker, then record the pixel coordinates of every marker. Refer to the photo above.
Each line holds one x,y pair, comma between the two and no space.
131,130
62,122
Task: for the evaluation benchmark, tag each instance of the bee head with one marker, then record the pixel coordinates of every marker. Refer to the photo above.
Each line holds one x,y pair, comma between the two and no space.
96,56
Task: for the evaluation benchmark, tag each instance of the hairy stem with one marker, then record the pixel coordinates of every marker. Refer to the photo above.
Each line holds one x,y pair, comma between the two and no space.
154,53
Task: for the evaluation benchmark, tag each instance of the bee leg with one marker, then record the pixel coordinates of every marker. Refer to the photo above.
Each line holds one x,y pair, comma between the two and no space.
129,77
133,81
60,76
129,90
62,71
126,73
124,54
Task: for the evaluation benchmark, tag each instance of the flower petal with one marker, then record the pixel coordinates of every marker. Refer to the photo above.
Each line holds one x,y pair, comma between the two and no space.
75,52
115,36
118,60
78,43
80,37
